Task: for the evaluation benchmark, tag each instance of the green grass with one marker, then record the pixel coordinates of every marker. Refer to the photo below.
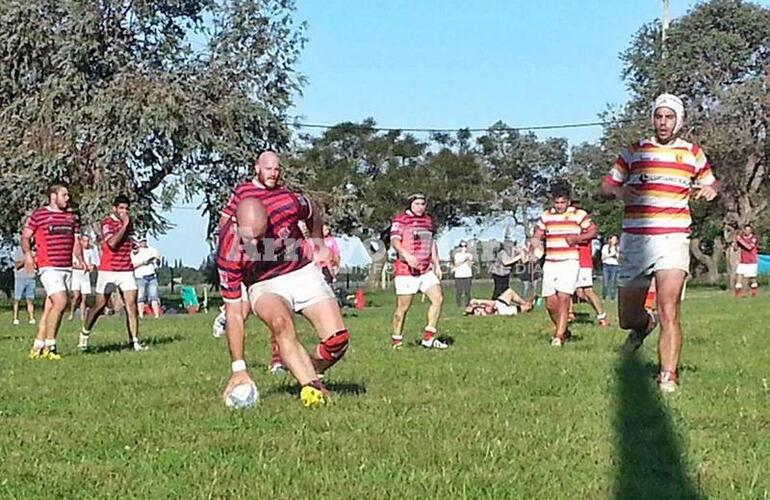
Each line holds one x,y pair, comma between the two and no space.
500,415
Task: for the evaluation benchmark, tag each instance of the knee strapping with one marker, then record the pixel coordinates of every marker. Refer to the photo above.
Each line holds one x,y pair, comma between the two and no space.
334,347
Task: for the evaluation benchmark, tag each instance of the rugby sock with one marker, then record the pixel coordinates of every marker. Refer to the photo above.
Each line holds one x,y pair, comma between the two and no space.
396,339
38,345
50,344
429,333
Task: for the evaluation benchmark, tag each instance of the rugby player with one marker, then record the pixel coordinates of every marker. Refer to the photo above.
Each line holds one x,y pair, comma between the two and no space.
563,227
55,231
281,279
655,179
116,273
417,269
747,268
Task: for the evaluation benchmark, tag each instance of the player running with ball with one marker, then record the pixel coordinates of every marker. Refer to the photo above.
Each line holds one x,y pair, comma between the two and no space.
655,179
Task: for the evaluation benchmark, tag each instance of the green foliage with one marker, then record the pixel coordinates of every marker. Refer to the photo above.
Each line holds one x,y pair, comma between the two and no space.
150,98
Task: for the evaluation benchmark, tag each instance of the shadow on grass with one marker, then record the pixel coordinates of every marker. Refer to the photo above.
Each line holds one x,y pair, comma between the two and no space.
121,346
650,454
346,388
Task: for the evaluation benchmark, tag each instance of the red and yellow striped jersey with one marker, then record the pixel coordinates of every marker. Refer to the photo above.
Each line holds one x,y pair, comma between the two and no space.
662,178
557,226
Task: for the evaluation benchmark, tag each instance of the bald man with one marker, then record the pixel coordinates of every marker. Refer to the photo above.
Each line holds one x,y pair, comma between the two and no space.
281,279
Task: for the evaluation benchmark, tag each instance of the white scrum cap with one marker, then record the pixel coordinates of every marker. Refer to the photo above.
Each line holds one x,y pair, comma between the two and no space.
673,103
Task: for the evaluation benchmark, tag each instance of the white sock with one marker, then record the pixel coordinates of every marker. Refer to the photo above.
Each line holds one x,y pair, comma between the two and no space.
49,343
38,344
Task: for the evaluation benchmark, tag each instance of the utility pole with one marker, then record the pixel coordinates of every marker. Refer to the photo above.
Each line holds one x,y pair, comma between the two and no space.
665,21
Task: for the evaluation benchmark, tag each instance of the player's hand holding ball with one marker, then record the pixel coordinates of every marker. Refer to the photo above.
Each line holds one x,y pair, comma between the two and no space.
241,392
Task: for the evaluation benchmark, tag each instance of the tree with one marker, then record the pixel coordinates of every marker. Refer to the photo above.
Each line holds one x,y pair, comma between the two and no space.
365,176
718,58
588,164
519,169
146,97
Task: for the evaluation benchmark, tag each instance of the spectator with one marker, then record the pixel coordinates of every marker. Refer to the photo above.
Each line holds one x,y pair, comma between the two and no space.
610,253
528,272
330,269
462,266
23,286
81,277
501,269
145,259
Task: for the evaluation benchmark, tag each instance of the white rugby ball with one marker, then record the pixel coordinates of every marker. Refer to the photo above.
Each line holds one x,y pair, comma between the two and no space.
242,396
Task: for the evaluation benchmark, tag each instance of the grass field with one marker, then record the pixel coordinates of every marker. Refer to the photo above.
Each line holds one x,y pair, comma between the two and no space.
500,415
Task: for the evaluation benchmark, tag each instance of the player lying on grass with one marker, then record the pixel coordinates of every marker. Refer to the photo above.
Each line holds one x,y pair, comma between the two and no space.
509,303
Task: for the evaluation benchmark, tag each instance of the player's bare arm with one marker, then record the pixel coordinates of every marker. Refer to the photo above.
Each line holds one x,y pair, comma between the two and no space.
113,241
26,247
404,253
235,341
435,260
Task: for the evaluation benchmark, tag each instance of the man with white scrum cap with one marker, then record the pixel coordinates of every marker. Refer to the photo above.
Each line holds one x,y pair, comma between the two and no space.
417,269
655,179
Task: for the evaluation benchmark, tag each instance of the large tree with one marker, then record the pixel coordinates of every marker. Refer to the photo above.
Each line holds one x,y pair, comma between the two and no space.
147,97
717,57
365,175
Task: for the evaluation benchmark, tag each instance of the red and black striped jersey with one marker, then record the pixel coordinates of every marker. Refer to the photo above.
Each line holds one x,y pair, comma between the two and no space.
279,251
118,259
54,232
417,234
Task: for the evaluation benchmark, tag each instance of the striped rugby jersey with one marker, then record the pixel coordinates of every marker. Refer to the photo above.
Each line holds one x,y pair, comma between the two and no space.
663,177
556,226
417,234
279,251
54,232
119,259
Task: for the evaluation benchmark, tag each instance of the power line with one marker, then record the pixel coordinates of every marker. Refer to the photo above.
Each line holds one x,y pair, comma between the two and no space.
560,126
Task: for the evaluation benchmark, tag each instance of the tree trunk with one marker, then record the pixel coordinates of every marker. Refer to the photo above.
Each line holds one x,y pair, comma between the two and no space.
732,257
711,262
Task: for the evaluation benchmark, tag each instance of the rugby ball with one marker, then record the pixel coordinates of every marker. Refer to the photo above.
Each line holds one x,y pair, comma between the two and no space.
242,396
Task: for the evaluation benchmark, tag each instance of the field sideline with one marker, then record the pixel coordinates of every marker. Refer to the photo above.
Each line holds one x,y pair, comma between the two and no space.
500,415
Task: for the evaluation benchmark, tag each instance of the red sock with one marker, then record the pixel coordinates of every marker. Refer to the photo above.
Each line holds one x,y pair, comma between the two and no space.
428,333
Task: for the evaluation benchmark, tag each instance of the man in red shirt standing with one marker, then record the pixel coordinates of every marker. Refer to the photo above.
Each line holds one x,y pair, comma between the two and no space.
417,268
116,272
55,231
747,268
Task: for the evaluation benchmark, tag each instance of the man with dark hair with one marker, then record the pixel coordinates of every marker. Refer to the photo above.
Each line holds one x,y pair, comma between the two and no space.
748,244
417,269
563,227
55,230
116,273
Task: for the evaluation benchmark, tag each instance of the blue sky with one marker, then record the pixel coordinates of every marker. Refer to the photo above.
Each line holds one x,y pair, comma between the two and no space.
452,63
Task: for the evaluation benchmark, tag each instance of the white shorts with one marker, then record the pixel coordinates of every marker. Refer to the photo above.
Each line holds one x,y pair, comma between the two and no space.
643,255
585,278
81,281
747,270
410,285
109,281
300,289
505,309
55,279
560,276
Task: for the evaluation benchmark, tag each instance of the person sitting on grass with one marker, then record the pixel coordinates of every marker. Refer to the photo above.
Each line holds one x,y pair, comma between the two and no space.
509,303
